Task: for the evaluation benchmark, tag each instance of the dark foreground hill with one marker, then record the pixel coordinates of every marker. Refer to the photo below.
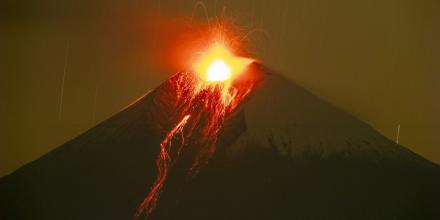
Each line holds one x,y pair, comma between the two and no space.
285,155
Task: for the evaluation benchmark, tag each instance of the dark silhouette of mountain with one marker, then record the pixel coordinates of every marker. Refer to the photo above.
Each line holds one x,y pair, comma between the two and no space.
284,154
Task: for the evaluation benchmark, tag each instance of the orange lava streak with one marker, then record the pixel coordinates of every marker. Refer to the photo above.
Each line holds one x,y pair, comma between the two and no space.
208,104
209,93
163,163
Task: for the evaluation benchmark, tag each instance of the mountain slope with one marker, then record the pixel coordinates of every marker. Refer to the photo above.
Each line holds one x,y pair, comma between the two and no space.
295,157
301,158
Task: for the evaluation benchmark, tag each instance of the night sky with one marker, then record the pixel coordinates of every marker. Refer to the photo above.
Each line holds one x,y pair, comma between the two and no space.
377,59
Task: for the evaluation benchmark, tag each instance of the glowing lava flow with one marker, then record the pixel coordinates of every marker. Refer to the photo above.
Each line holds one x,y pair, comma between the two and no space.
202,103
163,163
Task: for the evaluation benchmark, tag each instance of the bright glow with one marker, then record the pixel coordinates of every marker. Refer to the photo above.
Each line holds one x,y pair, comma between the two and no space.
218,64
218,70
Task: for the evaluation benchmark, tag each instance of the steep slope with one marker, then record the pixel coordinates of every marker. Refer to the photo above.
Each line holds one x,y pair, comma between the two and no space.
283,113
302,158
296,157
103,173
106,172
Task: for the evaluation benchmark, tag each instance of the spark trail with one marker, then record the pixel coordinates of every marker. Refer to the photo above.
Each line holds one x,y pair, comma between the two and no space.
66,56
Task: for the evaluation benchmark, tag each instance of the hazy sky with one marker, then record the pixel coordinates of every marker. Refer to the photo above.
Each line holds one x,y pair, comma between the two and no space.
377,59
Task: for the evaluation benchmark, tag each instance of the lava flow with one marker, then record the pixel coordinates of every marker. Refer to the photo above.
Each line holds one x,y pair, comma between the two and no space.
203,100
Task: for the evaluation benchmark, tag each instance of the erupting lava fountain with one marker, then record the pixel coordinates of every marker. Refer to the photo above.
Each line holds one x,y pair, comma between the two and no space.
218,82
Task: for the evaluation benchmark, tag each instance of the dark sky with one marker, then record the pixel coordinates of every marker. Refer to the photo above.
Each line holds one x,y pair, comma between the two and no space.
377,59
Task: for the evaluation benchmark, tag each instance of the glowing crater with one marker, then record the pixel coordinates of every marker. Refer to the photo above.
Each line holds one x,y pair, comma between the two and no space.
218,64
218,70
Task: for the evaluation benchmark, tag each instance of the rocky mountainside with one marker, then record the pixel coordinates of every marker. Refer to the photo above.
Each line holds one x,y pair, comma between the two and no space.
284,154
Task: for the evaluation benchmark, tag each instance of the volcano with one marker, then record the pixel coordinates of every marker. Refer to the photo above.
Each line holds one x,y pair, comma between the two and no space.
281,154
